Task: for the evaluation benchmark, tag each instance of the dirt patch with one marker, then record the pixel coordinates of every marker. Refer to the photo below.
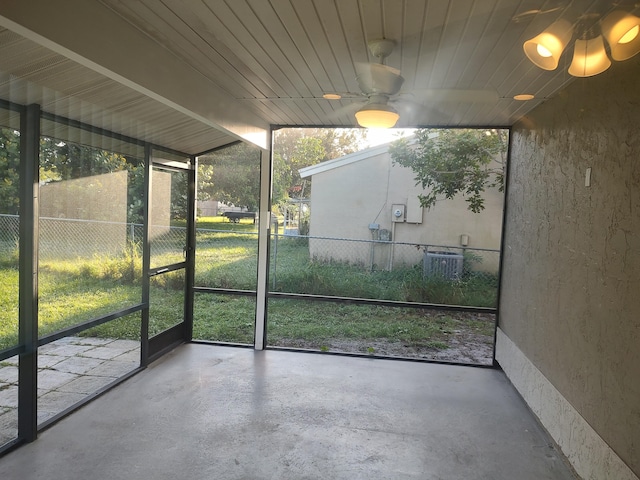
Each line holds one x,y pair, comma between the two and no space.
467,338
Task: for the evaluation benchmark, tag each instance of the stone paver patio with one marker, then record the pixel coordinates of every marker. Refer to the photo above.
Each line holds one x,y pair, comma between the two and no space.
69,369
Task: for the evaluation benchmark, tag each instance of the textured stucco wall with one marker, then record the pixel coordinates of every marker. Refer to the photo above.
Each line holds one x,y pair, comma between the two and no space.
571,279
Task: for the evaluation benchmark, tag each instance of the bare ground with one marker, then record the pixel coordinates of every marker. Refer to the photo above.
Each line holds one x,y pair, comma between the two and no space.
471,342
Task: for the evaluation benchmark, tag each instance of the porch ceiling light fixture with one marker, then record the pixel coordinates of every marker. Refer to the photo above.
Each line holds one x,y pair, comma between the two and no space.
377,115
589,58
545,49
620,29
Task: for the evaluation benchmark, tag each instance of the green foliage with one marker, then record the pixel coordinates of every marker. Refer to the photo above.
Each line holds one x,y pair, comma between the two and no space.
9,258
60,161
295,273
231,175
9,177
126,267
451,162
179,195
68,160
305,225
325,326
8,307
135,193
296,148
223,318
122,328
470,260
308,151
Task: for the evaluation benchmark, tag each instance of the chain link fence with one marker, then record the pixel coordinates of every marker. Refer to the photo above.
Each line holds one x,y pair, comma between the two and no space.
9,238
63,239
384,270
299,264
350,268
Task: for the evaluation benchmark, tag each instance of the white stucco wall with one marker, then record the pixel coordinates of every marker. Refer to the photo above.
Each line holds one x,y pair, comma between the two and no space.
351,195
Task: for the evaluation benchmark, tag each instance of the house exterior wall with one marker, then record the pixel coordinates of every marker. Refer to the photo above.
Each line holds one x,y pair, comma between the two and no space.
569,303
345,200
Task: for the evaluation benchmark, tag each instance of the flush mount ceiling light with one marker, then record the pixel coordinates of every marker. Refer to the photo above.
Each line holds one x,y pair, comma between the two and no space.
620,29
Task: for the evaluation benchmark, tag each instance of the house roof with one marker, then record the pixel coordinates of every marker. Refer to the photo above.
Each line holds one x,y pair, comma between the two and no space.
345,160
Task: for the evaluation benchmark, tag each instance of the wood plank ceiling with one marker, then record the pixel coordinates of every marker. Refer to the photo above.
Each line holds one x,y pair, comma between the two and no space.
462,61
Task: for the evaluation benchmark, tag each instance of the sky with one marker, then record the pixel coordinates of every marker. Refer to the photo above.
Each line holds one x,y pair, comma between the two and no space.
378,136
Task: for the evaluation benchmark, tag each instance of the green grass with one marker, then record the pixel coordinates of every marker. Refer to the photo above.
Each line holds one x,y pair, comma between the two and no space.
8,307
318,324
73,291
223,318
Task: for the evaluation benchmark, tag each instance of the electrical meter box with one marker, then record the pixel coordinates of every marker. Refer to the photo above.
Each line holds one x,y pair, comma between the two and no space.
398,212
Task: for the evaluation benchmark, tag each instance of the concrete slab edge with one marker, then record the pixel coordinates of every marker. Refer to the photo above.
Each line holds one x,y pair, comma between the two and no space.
588,453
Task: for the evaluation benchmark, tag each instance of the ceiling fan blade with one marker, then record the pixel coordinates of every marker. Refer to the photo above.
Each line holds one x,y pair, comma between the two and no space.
378,79
346,110
449,95
414,113
524,16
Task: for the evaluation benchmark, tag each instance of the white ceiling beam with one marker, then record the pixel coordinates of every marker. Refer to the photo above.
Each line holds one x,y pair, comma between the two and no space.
88,32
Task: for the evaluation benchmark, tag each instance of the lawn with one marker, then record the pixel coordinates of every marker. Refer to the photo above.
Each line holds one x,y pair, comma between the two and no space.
78,290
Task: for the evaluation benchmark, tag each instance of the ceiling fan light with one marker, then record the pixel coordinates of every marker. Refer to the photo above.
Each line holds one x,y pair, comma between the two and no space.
377,116
545,49
589,58
622,31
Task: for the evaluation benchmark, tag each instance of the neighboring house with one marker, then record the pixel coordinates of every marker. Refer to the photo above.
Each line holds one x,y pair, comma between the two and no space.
364,196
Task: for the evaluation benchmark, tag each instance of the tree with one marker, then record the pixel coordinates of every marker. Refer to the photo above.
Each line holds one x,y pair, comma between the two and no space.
296,148
231,175
61,160
9,173
448,162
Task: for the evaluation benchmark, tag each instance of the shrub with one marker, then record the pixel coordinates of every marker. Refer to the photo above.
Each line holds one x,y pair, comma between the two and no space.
126,267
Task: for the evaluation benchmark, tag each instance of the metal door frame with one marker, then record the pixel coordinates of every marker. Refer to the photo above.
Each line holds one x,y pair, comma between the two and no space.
154,347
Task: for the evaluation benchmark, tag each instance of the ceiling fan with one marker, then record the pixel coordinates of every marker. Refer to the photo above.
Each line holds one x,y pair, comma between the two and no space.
381,101
378,82
381,86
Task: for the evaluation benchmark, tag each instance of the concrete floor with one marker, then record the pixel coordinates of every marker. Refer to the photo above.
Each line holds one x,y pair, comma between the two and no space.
209,412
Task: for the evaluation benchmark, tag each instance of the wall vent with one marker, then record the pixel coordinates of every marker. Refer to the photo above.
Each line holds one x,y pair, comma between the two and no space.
447,265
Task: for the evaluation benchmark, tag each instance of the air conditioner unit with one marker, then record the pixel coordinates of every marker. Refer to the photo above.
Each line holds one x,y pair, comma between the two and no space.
446,265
